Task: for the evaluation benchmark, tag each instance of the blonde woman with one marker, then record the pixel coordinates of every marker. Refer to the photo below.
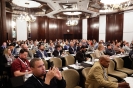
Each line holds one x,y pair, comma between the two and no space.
8,55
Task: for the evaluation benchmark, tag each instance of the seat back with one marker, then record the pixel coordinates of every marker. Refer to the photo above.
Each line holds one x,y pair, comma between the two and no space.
57,62
72,78
17,81
69,60
119,63
46,64
85,71
111,67
93,55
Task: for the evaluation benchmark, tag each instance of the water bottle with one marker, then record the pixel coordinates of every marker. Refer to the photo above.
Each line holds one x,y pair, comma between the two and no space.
77,63
26,75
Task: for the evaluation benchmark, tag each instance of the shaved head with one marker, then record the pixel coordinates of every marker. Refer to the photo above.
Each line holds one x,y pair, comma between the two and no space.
104,60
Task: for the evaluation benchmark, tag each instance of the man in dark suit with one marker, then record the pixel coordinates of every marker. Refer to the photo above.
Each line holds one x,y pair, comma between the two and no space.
80,56
109,50
58,51
72,49
41,53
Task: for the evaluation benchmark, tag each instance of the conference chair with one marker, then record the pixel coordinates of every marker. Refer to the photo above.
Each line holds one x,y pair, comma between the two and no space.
112,79
46,64
72,78
85,72
113,72
57,62
93,55
69,60
120,66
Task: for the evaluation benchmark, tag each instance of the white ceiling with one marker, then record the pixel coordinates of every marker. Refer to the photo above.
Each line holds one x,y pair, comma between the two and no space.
54,4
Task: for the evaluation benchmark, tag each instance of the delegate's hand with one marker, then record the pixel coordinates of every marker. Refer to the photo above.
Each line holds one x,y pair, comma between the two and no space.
49,76
124,85
57,73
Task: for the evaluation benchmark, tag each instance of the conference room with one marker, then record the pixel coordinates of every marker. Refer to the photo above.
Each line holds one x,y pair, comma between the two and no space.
68,35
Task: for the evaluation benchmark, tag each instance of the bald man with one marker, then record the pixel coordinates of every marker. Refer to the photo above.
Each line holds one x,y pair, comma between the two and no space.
97,76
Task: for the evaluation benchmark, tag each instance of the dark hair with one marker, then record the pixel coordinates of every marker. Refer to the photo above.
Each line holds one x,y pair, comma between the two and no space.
108,45
82,47
22,51
57,46
40,45
32,62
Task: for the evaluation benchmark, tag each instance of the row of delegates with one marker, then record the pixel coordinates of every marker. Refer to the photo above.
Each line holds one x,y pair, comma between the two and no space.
43,79
98,77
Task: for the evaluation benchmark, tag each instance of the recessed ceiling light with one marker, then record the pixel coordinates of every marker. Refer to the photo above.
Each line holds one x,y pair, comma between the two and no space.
26,3
72,13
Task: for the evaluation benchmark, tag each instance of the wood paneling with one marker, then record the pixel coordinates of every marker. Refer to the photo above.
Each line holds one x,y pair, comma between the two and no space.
3,33
9,26
52,29
114,27
93,28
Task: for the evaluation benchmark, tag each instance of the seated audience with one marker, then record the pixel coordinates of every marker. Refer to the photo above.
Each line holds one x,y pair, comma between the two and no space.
98,78
131,44
72,49
2,48
131,53
66,47
21,64
118,49
41,53
79,46
99,51
52,47
13,49
43,79
35,47
127,47
80,56
8,56
58,51
109,50
30,54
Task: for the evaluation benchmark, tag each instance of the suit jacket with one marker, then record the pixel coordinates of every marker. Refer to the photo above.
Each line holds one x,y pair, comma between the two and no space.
56,53
98,53
95,78
72,50
110,52
80,56
66,47
39,54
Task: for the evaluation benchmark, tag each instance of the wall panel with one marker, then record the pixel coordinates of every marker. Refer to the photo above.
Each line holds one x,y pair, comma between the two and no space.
114,27
93,28
51,29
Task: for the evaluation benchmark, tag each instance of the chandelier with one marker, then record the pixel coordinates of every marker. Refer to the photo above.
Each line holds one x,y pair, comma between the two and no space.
27,5
72,22
116,4
27,17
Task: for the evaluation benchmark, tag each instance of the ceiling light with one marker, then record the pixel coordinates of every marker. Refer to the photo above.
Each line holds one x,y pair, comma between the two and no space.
72,13
116,4
26,3
113,1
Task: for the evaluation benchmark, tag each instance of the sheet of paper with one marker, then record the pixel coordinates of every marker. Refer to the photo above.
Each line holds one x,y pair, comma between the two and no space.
130,81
